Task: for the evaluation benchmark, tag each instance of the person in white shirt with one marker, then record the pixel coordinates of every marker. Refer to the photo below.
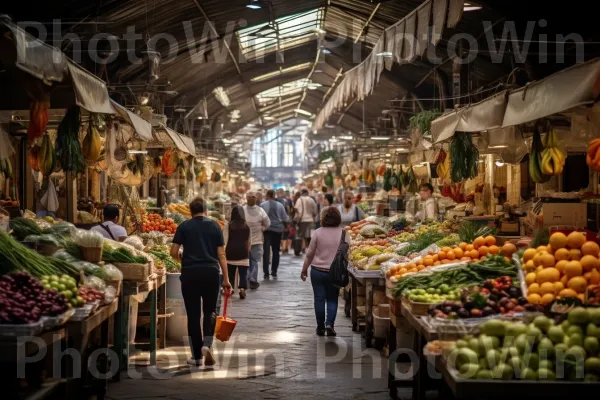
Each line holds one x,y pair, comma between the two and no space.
349,211
109,228
306,211
430,206
258,222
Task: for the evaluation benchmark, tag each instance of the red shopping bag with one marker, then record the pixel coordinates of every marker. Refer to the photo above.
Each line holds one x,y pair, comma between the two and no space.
225,326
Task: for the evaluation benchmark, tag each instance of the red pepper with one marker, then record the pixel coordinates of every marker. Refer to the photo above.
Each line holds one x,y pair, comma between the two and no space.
485,291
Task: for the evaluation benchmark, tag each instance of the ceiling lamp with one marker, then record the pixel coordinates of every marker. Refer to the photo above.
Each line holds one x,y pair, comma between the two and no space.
221,96
254,5
386,54
471,7
380,138
345,137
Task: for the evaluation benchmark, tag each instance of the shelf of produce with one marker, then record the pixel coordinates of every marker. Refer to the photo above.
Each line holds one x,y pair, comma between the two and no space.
473,388
13,350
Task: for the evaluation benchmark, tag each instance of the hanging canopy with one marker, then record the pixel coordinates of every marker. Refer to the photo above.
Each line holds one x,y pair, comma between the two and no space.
572,87
189,143
142,128
487,114
49,64
168,137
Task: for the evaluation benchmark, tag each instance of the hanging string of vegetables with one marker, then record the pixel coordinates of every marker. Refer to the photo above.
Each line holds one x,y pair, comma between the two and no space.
464,157
68,149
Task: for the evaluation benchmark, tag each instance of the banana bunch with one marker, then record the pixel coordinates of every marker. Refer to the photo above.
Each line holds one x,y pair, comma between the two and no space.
553,157
593,155
443,169
535,160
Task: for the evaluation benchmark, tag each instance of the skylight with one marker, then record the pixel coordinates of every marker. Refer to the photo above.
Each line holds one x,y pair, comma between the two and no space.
282,90
287,70
294,30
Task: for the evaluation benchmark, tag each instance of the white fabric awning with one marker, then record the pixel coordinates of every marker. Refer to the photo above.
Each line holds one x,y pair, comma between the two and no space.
49,64
572,87
142,128
189,143
487,114
176,138
90,91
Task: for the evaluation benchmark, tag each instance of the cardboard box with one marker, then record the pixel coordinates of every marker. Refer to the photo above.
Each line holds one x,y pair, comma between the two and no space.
567,214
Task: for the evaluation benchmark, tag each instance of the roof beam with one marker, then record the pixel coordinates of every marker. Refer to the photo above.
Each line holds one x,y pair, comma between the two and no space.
237,65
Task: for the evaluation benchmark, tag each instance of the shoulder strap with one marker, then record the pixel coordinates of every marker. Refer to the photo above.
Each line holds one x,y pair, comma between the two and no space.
107,229
343,239
356,213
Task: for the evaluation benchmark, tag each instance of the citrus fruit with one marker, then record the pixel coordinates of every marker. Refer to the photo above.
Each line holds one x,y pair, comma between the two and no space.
564,280
446,261
458,252
437,263
508,249
578,284
421,267
534,298
595,277
575,240
547,260
494,249
435,257
538,269
490,240
470,247
547,298
450,255
567,293
558,240
573,268
546,287
473,253
558,287
542,248
529,254
561,254
529,266
547,275
483,250
533,288
446,249
588,263
549,249
442,255
465,259
575,254
530,278
413,270
590,249
477,243
464,246
411,265
561,266
428,261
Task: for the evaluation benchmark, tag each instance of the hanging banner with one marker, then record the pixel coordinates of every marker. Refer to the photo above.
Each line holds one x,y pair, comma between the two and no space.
410,35
399,42
423,16
440,7
390,46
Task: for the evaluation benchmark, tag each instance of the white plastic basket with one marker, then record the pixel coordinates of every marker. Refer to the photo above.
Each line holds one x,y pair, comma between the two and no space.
381,320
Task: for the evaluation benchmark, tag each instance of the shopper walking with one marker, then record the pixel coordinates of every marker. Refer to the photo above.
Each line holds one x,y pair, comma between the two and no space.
237,248
258,222
202,263
350,212
272,240
306,211
328,202
321,253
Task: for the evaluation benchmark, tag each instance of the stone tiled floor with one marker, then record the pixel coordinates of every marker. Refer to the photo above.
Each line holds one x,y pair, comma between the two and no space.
274,354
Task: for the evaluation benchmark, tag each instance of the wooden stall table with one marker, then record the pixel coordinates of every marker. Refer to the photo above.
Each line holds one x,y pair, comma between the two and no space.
155,287
370,280
423,334
14,352
79,333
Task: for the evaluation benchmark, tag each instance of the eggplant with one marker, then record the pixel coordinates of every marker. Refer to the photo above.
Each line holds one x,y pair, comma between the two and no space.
469,305
463,313
522,301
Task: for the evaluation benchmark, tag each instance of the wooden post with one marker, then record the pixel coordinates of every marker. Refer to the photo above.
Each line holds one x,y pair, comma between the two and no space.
71,182
95,184
86,183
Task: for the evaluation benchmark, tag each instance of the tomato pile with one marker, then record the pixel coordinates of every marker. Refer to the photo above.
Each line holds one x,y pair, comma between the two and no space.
154,222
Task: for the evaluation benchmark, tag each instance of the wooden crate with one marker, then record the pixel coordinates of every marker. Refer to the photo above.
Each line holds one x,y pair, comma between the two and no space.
134,272
416,308
395,307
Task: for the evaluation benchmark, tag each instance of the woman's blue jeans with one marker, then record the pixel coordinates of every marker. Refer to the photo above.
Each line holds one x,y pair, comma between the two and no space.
326,297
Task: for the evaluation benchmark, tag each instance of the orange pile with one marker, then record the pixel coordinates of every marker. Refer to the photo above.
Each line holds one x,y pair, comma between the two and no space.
564,268
481,247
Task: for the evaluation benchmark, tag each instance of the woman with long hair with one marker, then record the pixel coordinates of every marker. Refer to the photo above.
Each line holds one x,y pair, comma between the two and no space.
321,253
237,250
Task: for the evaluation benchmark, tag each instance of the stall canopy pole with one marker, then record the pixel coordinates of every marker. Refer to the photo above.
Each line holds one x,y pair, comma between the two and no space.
22,173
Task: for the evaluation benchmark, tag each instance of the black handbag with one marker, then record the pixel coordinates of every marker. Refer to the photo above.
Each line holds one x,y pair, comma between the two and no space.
338,272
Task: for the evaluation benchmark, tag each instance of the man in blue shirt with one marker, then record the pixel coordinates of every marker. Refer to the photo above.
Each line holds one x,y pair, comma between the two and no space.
273,235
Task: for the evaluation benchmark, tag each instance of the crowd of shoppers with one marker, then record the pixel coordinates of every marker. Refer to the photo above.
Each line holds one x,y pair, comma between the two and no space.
212,258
